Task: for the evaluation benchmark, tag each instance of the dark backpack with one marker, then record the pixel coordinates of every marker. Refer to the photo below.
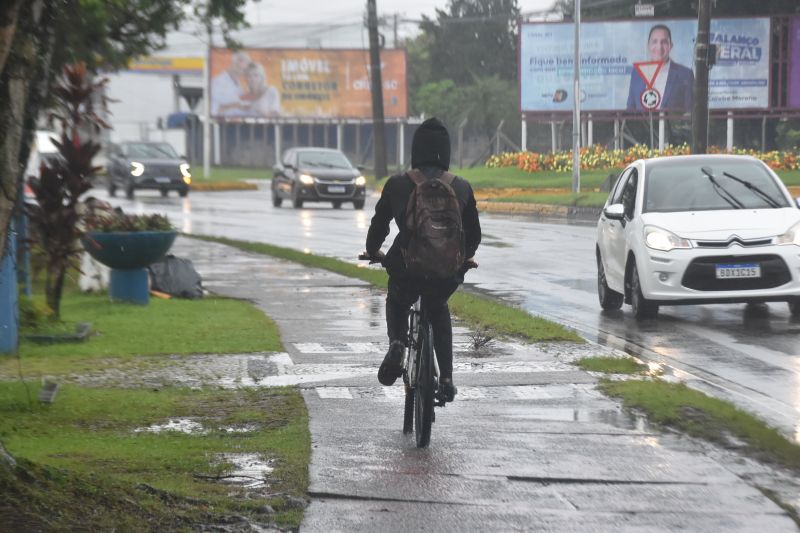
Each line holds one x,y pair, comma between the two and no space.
433,218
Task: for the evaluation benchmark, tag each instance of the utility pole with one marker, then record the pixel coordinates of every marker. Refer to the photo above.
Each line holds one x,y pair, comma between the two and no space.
701,66
379,135
576,107
207,101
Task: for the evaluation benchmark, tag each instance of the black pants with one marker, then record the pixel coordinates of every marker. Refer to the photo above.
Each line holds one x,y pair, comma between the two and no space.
403,292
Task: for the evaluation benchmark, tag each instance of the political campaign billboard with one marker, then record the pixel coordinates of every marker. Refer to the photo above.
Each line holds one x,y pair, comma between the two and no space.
643,65
300,83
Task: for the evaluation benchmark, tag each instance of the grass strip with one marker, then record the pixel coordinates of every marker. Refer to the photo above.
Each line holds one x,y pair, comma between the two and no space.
776,499
223,186
99,441
477,311
691,411
612,365
163,327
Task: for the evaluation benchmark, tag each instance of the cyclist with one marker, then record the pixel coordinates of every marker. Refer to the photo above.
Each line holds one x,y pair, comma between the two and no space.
430,155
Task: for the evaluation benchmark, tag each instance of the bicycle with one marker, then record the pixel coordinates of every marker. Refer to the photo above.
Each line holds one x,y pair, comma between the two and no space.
420,371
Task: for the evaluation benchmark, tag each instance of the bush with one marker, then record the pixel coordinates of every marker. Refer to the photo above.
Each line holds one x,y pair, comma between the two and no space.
121,222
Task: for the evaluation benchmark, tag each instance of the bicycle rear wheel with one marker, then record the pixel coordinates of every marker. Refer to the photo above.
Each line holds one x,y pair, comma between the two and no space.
408,415
425,388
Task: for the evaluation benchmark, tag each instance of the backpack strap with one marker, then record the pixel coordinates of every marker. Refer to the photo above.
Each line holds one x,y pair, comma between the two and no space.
418,177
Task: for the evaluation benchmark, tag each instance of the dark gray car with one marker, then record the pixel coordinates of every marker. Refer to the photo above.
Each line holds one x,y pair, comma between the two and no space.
317,175
147,165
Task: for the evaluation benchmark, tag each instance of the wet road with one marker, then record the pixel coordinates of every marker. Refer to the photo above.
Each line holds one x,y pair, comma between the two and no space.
750,355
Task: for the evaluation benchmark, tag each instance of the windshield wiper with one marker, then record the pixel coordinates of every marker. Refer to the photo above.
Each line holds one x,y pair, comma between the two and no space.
766,197
719,189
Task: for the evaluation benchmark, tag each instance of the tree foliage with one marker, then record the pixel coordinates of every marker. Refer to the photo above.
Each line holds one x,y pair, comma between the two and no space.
41,36
473,38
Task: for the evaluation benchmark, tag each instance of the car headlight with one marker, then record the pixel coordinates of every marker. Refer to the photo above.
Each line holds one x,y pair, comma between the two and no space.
185,172
137,169
792,236
305,179
663,240
361,181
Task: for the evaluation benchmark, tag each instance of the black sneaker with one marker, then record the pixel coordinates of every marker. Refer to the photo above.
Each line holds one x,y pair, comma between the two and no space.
391,368
448,390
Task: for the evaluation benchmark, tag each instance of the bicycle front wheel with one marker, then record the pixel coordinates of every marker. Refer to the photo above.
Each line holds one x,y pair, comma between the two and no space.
425,388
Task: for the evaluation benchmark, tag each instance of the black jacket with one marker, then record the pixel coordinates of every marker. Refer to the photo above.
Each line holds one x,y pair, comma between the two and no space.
392,205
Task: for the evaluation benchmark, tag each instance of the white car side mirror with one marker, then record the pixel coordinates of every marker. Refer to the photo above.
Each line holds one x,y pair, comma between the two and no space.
615,212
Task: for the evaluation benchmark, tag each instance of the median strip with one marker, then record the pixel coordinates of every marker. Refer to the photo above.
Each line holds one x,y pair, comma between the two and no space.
479,312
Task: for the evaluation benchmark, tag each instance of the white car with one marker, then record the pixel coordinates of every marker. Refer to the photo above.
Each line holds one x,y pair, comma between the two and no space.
695,230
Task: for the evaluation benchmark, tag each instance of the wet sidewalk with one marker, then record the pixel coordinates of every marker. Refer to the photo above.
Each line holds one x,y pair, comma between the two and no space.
529,444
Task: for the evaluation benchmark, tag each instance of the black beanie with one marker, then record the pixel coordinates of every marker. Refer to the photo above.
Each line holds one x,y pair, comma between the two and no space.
431,145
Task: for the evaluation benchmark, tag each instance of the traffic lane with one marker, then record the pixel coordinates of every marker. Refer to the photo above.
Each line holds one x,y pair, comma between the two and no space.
749,356
748,352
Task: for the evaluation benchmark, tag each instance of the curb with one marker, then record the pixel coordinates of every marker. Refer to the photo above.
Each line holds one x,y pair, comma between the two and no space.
544,210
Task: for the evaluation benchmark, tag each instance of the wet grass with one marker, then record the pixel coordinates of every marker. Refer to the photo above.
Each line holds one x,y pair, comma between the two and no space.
699,415
612,365
163,327
477,311
512,177
91,466
223,174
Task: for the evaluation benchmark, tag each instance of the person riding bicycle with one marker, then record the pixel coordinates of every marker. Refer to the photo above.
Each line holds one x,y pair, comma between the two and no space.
430,160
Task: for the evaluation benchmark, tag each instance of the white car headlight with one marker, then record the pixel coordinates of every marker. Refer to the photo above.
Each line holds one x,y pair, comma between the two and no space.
361,181
137,169
305,179
185,170
792,236
663,240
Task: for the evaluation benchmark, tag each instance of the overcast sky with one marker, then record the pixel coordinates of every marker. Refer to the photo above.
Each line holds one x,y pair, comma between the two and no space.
322,23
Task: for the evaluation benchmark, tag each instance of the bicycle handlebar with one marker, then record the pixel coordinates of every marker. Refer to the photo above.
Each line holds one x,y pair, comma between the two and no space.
364,256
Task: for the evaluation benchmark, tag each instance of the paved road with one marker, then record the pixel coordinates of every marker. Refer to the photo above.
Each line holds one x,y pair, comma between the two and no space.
750,355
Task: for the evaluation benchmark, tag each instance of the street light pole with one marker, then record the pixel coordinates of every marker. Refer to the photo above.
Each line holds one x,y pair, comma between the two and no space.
576,109
207,104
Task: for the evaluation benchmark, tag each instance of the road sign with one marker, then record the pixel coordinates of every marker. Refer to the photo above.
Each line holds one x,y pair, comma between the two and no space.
648,70
650,99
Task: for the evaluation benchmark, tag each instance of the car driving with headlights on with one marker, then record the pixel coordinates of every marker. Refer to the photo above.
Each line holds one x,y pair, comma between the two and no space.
695,230
317,175
147,165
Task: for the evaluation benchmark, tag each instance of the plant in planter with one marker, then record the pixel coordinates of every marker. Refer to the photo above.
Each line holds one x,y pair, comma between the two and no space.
128,244
63,181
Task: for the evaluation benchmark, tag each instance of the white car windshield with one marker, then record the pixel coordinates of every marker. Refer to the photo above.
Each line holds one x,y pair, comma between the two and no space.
709,185
323,160
150,151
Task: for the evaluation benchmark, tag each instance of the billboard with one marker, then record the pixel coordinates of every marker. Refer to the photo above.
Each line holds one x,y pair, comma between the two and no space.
167,65
794,62
611,52
297,83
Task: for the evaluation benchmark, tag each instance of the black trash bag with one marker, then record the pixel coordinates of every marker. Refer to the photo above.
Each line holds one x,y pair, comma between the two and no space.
176,277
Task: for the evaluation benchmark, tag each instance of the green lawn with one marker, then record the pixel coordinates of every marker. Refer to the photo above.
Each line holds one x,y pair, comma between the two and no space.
98,439
164,327
512,177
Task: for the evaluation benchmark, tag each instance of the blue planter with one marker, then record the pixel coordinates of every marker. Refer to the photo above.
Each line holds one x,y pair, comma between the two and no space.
129,254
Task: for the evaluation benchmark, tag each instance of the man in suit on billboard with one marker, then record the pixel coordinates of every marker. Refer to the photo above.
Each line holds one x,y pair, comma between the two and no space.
674,82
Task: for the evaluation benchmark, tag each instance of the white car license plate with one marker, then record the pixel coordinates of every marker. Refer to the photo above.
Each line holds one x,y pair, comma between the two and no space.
739,271
336,189
162,179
